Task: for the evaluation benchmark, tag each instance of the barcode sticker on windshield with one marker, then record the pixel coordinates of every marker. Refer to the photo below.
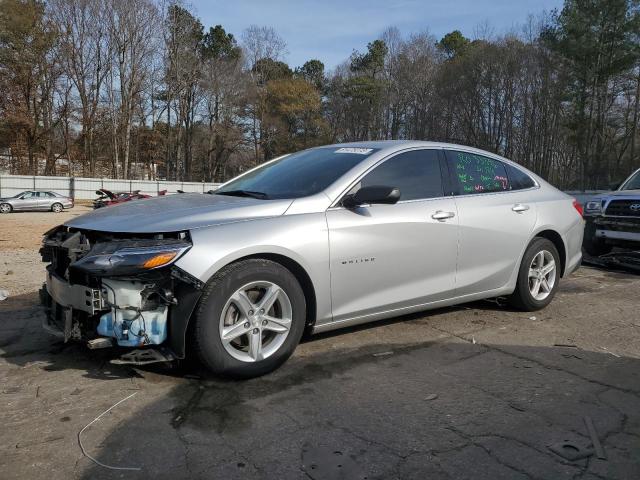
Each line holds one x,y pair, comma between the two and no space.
359,151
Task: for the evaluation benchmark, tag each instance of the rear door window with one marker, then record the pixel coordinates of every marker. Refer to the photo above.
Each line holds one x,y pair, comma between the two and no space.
475,174
416,173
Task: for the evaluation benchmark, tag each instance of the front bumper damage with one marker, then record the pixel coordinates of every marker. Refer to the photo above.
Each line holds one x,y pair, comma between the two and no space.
96,292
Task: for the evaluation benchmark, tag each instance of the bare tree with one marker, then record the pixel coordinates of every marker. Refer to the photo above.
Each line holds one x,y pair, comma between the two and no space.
133,26
30,73
183,62
83,27
259,44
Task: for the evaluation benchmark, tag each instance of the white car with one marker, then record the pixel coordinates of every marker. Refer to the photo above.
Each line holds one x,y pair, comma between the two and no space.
317,240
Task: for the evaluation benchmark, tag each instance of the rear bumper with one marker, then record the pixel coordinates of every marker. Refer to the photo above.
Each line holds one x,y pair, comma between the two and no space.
573,244
575,263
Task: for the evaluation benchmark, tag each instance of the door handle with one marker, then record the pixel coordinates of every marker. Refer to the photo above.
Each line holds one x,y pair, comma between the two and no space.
519,208
441,216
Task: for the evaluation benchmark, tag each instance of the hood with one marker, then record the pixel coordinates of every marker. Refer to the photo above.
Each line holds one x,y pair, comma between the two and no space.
177,212
615,194
102,192
623,193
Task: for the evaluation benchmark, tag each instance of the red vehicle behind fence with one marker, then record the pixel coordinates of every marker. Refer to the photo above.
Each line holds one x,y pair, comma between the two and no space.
107,198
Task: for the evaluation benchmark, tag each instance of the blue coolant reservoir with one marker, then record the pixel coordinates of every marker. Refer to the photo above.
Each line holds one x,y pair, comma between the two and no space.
133,330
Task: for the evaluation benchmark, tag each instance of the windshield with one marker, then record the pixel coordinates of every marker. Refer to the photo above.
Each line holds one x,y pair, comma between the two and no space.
633,183
297,175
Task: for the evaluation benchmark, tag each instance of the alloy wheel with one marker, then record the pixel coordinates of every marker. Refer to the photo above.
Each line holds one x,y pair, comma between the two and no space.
57,208
5,208
255,321
542,275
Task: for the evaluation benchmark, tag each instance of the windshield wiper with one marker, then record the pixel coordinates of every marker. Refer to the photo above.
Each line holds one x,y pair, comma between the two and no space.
245,193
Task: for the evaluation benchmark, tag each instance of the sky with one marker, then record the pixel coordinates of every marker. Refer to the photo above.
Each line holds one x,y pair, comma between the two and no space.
330,30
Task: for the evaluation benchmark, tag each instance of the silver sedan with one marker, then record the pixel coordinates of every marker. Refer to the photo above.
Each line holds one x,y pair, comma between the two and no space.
317,240
32,200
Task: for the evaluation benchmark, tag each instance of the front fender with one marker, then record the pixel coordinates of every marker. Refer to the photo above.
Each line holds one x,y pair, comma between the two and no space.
301,238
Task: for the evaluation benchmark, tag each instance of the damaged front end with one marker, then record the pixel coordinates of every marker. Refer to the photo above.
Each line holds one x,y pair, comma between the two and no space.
118,289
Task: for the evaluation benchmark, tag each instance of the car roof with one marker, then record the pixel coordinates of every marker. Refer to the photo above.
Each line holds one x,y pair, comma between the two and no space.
393,145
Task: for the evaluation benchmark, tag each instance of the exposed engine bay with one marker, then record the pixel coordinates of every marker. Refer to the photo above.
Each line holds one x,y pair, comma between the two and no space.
117,289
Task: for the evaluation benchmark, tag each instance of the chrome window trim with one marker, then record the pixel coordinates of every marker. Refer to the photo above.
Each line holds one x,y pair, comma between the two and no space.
471,195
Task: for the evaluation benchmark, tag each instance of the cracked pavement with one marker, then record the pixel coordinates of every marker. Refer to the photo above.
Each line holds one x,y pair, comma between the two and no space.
478,391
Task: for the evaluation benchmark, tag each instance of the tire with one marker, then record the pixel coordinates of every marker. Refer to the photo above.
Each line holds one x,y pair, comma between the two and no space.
222,307
592,245
57,208
5,208
539,254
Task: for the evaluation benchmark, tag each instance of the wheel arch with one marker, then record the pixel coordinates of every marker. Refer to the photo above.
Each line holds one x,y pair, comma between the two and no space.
181,325
555,238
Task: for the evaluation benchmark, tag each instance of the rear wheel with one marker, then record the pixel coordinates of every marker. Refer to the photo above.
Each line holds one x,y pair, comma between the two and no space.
538,277
5,208
250,319
56,207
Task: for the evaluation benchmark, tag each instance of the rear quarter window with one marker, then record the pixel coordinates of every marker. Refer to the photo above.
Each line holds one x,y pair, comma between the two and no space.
518,179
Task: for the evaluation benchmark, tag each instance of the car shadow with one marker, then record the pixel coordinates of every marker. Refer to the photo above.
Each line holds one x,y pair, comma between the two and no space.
23,342
427,409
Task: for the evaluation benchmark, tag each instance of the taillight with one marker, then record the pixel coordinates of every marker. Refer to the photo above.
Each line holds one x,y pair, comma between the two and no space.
578,206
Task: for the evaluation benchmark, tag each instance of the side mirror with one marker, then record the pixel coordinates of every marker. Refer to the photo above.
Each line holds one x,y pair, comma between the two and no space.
373,194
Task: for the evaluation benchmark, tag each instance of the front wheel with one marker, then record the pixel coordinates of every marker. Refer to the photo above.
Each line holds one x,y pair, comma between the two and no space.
250,319
538,277
56,207
5,208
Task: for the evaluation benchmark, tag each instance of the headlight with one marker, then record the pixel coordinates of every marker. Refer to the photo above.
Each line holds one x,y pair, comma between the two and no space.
593,206
130,259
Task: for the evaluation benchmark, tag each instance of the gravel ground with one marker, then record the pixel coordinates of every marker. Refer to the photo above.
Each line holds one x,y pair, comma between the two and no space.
21,269
478,392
